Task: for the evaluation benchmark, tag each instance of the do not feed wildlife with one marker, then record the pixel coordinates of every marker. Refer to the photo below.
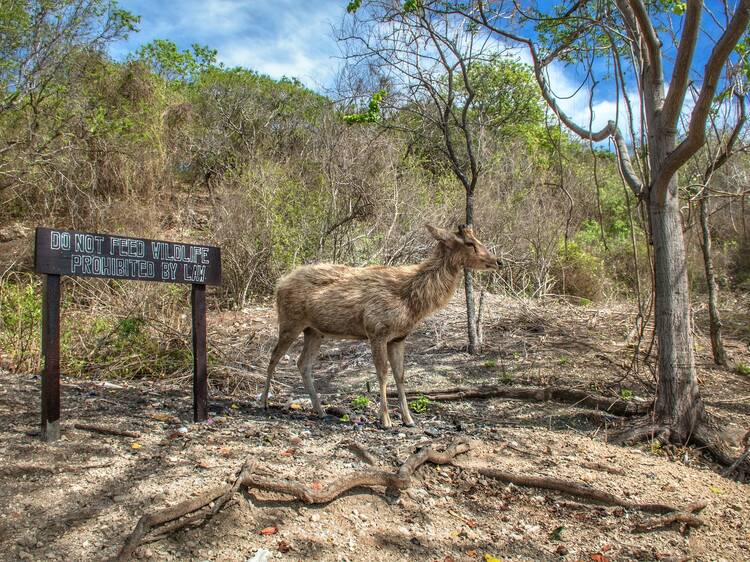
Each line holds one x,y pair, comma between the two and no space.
377,303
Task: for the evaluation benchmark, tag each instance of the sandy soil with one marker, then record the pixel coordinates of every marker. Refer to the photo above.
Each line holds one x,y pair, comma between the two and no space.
78,499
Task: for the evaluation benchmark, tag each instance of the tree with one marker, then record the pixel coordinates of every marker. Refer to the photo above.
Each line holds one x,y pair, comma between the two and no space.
44,50
627,33
716,158
167,61
444,87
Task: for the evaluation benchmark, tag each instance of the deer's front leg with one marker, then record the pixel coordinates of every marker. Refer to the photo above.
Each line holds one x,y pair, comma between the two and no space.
396,359
380,358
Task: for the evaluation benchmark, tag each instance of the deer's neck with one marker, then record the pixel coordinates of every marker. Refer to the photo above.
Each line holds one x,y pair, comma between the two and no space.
433,283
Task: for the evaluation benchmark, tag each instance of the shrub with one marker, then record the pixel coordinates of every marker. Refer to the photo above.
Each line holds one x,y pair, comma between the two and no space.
20,318
419,405
579,273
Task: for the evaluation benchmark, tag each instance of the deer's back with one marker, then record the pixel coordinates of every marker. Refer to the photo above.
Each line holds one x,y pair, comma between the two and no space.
345,301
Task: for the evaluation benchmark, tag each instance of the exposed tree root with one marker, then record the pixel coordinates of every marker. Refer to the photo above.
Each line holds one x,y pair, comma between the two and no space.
703,436
249,479
571,488
106,430
685,518
538,394
641,432
709,440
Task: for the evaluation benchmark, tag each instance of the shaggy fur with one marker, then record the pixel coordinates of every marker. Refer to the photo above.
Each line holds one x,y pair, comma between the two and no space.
378,303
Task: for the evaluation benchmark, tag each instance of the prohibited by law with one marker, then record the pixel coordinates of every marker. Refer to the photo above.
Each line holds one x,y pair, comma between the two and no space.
67,252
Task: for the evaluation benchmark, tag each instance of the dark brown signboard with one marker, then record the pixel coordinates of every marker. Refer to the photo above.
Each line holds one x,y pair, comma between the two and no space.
67,252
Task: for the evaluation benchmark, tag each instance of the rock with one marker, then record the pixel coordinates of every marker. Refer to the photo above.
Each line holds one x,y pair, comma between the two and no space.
315,517
432,432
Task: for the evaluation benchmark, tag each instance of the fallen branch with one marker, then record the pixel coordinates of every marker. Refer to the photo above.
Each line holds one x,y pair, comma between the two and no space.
686,518
250,479
569,487
603,467
106,430
558,394
399,480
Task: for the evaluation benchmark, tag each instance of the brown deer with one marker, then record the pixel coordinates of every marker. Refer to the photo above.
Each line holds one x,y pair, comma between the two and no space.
377,303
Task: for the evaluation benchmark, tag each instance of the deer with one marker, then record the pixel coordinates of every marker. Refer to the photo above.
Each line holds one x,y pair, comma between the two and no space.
382,304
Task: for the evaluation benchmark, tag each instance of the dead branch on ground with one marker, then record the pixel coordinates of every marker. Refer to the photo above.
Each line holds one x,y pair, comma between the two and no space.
686,518
249,478
575,397
603,467
569,487
106,430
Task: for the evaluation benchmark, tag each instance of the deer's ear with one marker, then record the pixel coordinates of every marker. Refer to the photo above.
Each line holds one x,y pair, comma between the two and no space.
442,235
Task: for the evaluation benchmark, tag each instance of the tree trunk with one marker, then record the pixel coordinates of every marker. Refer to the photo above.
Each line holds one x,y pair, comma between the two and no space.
717,345
678,401
471,318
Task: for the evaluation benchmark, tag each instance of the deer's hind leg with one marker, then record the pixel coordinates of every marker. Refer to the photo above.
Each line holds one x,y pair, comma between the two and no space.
287,334
305,364
396,359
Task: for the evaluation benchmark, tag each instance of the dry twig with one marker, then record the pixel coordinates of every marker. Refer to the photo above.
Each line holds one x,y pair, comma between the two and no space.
106,430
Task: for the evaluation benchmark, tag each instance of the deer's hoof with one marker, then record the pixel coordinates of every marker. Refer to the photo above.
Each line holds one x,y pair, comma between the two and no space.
409,423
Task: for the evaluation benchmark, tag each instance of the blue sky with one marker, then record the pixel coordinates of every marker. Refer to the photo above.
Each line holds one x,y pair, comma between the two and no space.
294,38
279,38
282,38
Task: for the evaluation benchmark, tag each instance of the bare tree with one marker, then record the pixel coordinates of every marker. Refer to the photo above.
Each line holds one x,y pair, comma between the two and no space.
625,33
428,66
715,157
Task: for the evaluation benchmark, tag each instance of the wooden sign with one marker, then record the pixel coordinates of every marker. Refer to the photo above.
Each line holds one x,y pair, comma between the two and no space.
66,252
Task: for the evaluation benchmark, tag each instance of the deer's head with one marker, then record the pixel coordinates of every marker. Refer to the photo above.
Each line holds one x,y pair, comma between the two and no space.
464,248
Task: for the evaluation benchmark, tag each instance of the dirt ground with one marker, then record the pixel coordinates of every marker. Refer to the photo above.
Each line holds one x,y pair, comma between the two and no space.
79,498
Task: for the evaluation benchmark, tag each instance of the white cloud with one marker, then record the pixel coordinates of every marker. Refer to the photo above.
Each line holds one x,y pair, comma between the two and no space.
280,38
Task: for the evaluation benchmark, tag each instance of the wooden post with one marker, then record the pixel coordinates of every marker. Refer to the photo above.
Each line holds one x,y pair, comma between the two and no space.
50,430
200,367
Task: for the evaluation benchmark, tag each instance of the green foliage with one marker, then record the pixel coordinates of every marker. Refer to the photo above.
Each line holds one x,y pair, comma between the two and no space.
174,65
353,6
563,361
360,402
507,98
419,405
626,394
372,115
20,318
742,369
490,363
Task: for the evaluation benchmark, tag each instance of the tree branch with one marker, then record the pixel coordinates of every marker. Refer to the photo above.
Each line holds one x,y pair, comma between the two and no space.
681,70
696,134
653,43
722,158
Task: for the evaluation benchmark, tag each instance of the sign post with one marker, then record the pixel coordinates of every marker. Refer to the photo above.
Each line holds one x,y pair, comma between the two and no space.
67,252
